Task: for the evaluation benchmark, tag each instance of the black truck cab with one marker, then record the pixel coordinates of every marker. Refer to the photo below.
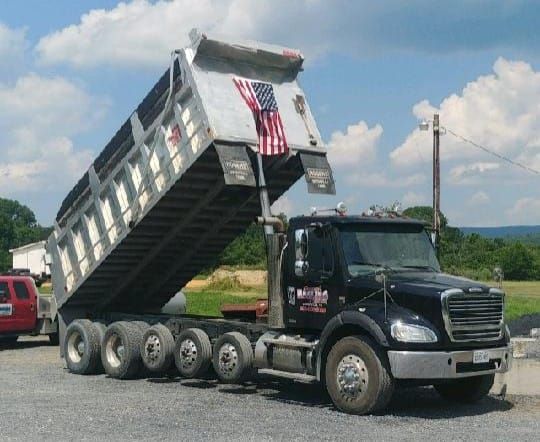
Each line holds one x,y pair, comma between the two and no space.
378,277
335,265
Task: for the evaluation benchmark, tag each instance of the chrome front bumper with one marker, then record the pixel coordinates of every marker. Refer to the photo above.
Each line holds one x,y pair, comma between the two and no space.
447,365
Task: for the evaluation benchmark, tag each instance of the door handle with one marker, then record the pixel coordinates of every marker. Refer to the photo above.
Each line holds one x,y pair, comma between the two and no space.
32,307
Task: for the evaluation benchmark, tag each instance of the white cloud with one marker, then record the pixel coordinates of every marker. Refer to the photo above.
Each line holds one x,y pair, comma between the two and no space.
413,199
142,32
355,147
38,115
499,111
54,164
479,198
282,205
472,173
524,211
12,45
383,179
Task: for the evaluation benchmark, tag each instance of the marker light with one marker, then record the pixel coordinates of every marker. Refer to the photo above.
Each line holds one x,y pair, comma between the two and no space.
341,208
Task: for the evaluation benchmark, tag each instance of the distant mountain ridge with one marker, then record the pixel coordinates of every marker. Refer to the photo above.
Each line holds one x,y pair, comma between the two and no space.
502,231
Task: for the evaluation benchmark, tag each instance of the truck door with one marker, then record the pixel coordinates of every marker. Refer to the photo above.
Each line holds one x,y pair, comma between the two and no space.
25,303
311,286
6,308
21,306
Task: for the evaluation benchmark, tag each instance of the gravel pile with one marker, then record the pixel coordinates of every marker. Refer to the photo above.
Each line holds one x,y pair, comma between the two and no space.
522,326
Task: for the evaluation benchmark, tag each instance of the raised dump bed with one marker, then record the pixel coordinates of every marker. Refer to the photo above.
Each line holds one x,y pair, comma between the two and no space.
179,180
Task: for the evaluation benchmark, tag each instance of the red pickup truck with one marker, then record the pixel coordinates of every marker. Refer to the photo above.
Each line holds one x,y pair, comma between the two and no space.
24,311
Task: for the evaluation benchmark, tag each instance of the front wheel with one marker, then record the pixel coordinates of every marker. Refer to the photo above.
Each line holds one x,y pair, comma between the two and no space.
466,390
357,378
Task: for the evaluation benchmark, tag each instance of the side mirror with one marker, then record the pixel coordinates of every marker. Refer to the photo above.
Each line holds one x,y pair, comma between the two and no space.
301,242
301,264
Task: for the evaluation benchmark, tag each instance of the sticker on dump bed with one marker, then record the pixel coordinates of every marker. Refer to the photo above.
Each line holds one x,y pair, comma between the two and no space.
6,309
173,136
236,165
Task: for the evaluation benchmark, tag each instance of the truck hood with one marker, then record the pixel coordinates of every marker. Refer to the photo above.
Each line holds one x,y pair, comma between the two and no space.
417,297
431,283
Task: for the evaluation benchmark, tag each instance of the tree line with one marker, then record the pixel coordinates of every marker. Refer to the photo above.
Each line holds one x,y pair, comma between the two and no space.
476,256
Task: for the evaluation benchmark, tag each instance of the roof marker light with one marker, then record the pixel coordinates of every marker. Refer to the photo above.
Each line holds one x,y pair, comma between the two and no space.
341,209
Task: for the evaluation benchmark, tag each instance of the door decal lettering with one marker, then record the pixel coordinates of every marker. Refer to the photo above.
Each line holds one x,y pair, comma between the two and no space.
312,299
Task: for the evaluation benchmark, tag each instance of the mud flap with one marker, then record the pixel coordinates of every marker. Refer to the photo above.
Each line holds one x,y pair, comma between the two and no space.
236,165
318,173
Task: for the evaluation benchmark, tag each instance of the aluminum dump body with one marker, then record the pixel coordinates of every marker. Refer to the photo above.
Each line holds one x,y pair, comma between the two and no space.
178,181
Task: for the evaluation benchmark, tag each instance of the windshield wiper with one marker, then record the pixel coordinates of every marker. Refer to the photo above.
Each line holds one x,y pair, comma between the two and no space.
433,269
374,264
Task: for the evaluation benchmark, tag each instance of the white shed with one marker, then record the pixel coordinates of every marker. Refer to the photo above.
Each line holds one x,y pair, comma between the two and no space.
31,256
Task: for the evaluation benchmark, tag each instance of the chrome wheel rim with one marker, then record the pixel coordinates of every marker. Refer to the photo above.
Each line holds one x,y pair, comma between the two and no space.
76,347
188,353
152,348
228,358
114,350
352,377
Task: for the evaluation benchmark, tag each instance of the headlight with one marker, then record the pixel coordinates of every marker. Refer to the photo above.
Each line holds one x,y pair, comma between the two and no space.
412,333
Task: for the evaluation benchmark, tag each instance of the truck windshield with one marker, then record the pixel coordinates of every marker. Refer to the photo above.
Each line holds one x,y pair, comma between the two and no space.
402,247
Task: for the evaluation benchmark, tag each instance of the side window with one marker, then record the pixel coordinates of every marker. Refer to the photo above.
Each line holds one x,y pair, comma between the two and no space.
4,290
21,292
320,255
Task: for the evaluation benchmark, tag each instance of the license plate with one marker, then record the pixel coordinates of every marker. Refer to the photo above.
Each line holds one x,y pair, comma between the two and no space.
480,357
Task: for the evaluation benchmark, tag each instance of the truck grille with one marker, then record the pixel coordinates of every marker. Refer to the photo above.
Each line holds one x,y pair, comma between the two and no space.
473,317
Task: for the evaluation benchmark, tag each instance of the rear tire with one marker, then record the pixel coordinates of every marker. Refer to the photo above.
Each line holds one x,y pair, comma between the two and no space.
357,377
101,328
120,350
466,390
157,347
192,353
81,347
233,357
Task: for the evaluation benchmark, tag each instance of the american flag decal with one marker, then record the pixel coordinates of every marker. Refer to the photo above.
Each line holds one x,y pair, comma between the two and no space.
261,100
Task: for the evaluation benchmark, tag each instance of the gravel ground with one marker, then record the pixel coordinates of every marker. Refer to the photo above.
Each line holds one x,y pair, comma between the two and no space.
522,326
40,400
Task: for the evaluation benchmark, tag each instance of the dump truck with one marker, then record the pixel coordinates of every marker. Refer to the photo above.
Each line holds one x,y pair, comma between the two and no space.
357,303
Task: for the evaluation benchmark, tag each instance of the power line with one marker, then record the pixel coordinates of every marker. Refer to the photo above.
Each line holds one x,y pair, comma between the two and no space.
493,153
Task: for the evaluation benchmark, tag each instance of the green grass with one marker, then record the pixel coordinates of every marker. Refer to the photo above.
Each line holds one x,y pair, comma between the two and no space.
209,302
522,298
45,290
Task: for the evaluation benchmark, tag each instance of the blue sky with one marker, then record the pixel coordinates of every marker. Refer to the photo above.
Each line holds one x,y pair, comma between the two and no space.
71,73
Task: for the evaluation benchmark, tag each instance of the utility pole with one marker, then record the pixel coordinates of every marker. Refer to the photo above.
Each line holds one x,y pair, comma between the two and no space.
436,183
